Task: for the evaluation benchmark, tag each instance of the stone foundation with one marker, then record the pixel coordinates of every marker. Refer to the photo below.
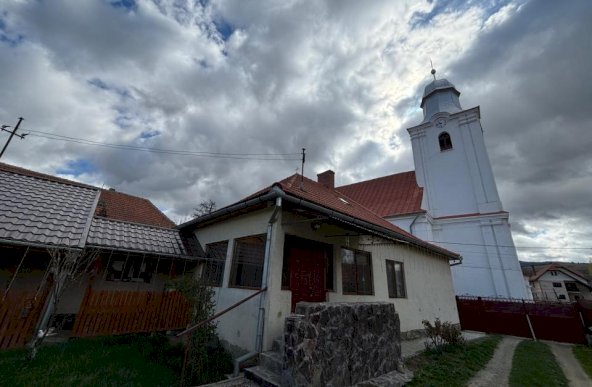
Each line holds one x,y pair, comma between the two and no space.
340,344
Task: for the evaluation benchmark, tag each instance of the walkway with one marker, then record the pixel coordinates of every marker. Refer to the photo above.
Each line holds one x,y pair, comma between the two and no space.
571,367
497,371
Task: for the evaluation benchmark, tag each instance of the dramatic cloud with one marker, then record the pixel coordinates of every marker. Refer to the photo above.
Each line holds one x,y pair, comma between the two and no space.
342,79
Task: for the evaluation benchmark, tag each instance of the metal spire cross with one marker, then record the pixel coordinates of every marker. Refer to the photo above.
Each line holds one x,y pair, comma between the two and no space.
433,69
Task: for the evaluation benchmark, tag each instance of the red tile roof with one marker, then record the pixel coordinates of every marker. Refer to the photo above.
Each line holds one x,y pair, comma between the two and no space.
112,204
316,193
390,195
540,271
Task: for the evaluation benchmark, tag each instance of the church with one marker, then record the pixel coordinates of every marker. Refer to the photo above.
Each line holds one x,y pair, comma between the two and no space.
451,198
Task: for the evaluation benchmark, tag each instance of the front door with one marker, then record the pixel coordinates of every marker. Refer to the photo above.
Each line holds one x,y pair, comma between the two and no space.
307,274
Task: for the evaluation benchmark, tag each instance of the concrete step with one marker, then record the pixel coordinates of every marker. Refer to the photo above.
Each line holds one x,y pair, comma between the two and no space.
272,361
263,377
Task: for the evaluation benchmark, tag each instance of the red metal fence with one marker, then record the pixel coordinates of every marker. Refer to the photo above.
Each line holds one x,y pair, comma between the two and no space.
563,322
118,312
19,313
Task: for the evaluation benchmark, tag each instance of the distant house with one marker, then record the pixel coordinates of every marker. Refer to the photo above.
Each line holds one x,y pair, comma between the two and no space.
556,282
302,241
138,249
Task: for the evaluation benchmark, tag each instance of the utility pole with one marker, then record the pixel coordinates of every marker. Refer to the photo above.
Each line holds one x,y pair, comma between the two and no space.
12,134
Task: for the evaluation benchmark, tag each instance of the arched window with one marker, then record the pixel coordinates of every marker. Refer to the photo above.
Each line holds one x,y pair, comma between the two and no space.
445,141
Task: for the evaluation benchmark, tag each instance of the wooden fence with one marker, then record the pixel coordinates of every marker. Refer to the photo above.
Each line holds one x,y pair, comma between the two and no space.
19,314
563,322
118,312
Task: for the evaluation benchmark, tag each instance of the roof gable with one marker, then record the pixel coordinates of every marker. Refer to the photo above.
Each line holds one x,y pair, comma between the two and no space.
392,195
560,268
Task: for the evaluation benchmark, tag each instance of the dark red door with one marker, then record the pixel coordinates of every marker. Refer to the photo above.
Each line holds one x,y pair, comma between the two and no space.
307,274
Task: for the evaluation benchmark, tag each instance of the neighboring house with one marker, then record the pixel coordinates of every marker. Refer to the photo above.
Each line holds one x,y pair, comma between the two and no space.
451,198
556,282
304,241
138,248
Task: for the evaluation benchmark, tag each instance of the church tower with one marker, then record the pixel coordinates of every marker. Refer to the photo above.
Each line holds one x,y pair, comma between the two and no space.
463,209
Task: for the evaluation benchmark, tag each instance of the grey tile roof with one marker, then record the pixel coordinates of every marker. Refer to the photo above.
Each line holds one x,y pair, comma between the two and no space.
46,212
120,235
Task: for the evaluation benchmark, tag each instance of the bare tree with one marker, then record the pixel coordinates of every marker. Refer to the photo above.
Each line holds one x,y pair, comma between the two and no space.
204,208
65,266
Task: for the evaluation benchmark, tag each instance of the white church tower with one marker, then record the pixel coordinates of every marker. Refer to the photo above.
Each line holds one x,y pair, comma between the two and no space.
463,209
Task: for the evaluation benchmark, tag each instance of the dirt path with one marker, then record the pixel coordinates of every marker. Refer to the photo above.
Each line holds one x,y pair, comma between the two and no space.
570,365
497,371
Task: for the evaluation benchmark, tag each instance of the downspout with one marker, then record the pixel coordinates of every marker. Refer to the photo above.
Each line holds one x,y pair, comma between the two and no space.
264,284
412,223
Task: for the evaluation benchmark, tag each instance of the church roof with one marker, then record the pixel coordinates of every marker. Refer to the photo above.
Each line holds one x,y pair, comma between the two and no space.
437,85
391,195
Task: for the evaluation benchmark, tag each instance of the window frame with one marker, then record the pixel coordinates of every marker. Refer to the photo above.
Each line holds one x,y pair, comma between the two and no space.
234,263
218,261
356,254
392,280
557,285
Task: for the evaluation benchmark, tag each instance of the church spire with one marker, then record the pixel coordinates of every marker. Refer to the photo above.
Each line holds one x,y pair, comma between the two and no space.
439,96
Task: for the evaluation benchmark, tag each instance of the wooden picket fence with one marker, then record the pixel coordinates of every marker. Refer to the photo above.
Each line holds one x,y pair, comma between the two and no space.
109,312
19,314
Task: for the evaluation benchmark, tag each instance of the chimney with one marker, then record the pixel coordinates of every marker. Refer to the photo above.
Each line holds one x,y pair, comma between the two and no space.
327,179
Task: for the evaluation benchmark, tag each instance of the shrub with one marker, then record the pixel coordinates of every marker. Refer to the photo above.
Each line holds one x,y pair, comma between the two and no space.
441,334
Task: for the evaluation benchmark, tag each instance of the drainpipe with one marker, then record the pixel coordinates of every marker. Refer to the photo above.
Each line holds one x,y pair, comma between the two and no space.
412,223
264,284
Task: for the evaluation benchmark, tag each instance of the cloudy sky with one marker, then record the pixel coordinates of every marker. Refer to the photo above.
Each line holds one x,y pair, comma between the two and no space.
342,79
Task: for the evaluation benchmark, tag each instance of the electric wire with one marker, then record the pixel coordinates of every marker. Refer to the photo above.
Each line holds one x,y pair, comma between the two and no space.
238,156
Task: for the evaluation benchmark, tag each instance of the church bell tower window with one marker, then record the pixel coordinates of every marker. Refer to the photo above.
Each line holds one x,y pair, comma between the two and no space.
445,141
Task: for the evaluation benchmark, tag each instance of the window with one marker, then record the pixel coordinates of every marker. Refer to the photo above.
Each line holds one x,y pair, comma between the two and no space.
130,268
247,262
561,297
571,287
213,270
356,272
445,141
556,284
553,272
396,279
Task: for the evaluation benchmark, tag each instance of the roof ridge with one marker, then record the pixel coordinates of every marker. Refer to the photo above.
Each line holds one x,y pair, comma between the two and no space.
133,223
9,168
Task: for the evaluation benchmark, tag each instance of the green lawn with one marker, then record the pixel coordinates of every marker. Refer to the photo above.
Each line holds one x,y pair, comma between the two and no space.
584,356
454,366
122,361
534,365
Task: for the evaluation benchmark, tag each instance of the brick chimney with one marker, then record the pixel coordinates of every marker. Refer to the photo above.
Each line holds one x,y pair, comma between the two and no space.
327,179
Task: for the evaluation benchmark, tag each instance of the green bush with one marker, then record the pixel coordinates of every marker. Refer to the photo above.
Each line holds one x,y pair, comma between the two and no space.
441,334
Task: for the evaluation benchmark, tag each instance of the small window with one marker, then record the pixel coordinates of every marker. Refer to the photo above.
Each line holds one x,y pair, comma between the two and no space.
395,279
130,268
247,262
561,297
571,287
356,272
445,141
556,284
553,272
213,270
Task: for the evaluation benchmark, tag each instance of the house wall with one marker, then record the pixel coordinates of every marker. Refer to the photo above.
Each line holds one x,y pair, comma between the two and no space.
430,293
544,289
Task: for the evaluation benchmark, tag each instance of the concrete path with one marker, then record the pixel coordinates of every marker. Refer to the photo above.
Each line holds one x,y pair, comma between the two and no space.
497,371
569,364
411,348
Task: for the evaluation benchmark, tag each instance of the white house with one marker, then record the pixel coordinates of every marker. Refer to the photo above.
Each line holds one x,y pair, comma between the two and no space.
451,198
557,283
302,240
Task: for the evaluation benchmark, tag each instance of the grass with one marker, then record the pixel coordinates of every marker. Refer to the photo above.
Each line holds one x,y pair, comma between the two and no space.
454,365
584,356
112,361
534,365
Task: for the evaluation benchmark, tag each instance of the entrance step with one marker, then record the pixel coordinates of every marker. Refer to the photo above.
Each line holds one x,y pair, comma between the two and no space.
272,361
263,377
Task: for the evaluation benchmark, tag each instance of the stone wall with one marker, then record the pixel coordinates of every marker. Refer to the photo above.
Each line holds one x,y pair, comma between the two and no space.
340,344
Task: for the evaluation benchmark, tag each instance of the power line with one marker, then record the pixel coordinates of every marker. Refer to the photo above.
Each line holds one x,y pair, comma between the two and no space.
239,156
443,244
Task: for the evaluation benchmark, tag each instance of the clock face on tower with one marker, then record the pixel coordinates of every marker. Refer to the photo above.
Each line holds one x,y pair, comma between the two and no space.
441,122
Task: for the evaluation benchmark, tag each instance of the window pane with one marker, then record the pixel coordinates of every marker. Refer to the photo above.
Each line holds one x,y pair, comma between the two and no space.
249,254
364,272
213,271
348,271
395,279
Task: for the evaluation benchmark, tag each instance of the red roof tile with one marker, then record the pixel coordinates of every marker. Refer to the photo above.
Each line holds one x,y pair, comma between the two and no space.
391,195
112,204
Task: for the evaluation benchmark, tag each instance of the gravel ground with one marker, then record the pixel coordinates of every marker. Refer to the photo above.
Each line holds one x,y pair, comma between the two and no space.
569,364
497,371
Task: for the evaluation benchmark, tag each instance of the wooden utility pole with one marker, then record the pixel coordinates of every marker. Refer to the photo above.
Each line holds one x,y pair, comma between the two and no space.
12,134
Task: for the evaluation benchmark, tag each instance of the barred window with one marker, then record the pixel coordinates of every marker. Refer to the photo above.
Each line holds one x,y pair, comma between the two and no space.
247,262
213,270
396,279
356,272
